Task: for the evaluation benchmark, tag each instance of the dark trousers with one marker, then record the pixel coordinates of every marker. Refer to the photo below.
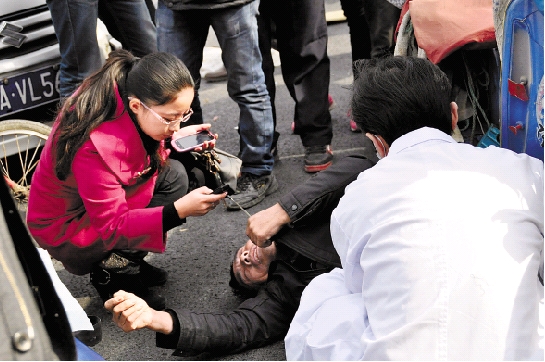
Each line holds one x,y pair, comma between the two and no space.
172,183
301,35
372,25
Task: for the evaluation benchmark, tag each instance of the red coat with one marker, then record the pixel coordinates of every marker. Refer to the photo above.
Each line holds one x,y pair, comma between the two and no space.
101,205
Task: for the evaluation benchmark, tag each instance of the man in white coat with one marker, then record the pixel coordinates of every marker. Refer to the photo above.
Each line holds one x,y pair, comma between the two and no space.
440,243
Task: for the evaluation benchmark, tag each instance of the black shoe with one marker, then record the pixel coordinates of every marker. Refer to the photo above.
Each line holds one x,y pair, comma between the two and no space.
251,190
318,158
109,281
152,276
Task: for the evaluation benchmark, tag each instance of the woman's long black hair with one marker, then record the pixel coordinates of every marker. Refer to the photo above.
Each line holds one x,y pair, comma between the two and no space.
156,79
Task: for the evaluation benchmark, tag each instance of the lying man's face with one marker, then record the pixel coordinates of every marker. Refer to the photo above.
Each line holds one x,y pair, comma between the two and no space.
251,264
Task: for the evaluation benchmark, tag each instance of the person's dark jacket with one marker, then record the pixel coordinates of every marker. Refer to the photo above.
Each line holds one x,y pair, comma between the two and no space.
203,4
306,241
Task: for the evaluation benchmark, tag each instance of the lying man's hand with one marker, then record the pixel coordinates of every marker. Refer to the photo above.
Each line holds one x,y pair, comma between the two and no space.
131,313
265,224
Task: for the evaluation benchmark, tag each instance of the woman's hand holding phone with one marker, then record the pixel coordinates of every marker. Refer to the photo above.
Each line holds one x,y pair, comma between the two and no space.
194,138
198,202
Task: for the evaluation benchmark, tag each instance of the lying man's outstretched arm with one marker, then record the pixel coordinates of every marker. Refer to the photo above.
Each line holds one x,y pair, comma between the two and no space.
131,313
256,322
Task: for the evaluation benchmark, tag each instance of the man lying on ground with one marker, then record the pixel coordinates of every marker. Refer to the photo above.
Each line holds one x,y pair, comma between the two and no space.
271,278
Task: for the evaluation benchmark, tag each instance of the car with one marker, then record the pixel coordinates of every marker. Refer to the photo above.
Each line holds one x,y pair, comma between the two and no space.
29,57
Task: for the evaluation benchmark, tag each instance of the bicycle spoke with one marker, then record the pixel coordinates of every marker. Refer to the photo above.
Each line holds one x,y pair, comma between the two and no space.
19,151
5,166
30,164
24,167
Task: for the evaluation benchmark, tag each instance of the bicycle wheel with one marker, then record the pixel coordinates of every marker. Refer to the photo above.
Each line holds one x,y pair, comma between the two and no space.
21,144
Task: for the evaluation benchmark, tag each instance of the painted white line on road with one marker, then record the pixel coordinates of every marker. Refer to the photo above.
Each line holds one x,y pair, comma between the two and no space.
334,152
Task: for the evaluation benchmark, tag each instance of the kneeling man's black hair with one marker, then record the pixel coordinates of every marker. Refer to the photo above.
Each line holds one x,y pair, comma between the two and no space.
396,95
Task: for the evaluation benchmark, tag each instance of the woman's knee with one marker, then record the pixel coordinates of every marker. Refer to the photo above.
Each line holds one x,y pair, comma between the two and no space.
172,183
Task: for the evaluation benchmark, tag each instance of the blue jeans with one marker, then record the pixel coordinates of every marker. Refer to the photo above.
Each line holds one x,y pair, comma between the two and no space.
184,34
75,23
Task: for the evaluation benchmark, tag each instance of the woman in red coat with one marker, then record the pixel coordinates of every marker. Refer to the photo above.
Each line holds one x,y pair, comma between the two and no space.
105,193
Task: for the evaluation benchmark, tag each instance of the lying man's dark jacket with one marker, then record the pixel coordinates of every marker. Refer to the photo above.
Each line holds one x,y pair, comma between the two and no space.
304,251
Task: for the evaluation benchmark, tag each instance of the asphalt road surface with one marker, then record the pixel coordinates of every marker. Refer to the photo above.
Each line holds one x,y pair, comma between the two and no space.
198,253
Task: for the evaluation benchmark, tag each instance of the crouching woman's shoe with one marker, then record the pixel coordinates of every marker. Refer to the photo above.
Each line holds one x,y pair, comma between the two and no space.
108,281
152,276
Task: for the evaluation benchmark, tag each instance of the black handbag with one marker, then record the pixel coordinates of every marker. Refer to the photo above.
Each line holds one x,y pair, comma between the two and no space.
211,168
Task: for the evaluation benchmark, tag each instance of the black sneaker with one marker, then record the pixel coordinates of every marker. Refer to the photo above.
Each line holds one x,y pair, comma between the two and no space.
318,158
109,281
152,276
251,190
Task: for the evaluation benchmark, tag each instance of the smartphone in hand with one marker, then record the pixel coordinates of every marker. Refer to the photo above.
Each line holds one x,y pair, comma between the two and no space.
190,142
222,189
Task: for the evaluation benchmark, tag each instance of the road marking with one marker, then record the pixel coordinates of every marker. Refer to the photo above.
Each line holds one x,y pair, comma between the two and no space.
335,16
334,152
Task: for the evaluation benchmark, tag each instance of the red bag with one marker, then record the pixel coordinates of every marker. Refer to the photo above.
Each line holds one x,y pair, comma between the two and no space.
442,26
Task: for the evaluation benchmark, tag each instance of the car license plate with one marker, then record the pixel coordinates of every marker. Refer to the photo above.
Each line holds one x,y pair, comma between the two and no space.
29,90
